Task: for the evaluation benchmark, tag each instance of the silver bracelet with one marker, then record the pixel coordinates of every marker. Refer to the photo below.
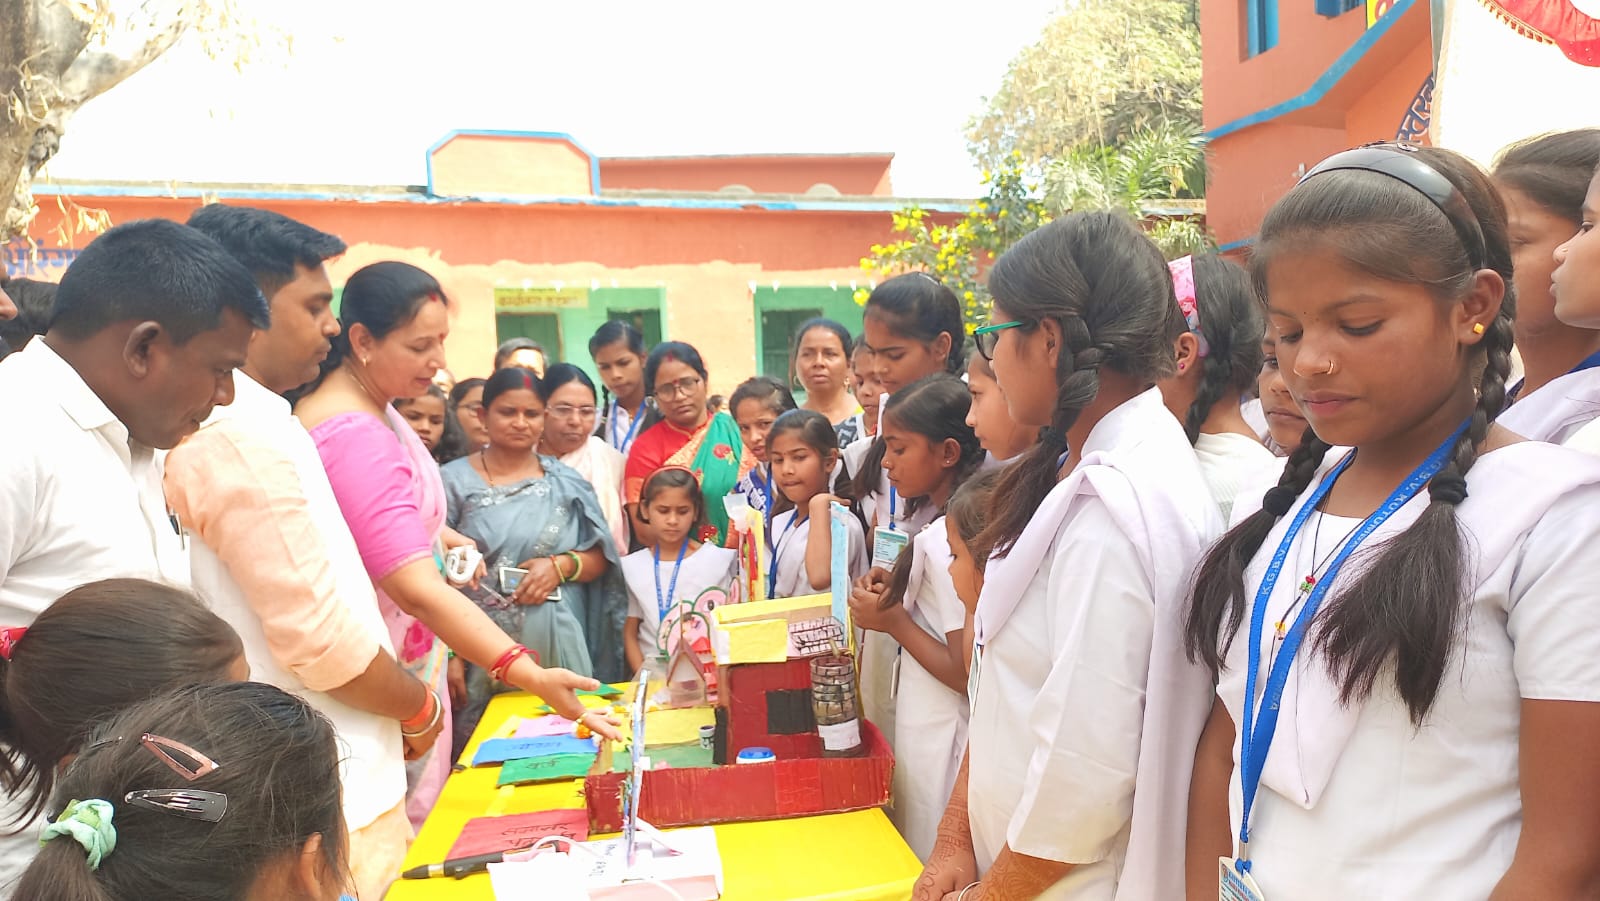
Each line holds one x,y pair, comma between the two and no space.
963,895
438,714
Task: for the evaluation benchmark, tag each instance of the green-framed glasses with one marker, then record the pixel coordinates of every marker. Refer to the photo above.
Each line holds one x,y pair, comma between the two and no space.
987,336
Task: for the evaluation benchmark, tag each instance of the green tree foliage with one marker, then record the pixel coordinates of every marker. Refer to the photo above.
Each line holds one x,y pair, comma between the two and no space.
959,254
1158,163
1138,178
1102,70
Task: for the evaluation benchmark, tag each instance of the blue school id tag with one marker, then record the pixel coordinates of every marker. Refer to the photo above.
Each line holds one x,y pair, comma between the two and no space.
1234,884
887,545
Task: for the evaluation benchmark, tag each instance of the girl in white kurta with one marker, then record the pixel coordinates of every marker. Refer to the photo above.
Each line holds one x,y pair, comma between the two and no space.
1543,181
803,449
1219,358
1410,664
676,568
912,328
930,451
1083,706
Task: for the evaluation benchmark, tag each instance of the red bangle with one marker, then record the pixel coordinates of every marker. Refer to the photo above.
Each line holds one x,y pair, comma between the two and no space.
421,717
502,666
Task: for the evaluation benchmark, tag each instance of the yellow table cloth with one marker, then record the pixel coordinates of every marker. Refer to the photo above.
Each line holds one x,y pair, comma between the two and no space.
855,856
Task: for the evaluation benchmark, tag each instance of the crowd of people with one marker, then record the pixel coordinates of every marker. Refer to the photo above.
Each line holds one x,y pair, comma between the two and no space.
1096,617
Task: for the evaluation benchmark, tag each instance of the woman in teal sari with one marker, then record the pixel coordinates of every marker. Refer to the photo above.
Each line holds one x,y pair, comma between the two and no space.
539,515
688,435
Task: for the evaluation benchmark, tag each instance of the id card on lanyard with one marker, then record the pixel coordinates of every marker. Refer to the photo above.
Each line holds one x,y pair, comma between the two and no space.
633,426
888,543
1255,734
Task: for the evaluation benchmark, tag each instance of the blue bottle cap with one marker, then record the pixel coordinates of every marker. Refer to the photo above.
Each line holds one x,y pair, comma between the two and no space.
757,755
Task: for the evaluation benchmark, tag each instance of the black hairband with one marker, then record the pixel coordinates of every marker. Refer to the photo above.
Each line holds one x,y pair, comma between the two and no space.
1400,162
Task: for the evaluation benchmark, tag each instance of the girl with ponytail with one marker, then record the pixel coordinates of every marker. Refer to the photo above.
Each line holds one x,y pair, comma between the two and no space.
1083,707
932,452
1403,631
911,329
1219,356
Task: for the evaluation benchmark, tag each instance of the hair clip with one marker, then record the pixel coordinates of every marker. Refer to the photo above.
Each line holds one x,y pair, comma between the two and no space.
1182,271
9,637
162,748
189,804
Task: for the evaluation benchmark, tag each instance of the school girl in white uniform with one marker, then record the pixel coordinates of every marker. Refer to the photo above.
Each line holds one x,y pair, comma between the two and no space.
1219,358
1083,704
1410,663
929,452
1543,181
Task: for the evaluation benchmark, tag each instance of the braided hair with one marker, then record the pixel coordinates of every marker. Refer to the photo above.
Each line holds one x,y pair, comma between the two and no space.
1232,321
1404,606
1107,287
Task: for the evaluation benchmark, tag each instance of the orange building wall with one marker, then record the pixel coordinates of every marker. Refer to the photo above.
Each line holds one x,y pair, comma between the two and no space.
704,260
856,175
475,164
1250,168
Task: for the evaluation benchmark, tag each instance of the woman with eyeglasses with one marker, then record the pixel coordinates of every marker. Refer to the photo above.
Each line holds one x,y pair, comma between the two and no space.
553,582
569,436
708,444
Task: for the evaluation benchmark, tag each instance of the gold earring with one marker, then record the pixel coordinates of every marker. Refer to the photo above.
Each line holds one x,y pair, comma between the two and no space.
1477,328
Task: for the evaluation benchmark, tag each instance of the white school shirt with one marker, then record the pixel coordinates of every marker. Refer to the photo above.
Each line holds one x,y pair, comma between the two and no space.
789,541
1086,711
879,652
1356,802
1255,417
80,500
930,720
708,567
372,765
1230,461
1557,411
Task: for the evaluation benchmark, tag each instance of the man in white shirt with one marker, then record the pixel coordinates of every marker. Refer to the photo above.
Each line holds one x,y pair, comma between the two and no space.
274,555
149,323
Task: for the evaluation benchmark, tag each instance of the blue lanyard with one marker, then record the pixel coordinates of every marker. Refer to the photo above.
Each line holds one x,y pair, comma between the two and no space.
1590,362
777,550
633,426
1256,735
765,485
893,496
665,604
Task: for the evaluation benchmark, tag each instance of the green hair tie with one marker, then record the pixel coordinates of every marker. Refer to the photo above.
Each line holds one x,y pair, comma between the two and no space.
89,824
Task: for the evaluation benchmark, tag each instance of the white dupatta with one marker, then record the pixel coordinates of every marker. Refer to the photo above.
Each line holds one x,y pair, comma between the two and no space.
1137,463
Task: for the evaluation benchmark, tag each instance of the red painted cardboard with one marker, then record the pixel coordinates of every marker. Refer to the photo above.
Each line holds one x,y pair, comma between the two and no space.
787,787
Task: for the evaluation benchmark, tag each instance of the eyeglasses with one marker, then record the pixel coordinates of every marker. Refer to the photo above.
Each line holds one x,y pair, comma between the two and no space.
986,337
683,387
567,411
1398,161
474,409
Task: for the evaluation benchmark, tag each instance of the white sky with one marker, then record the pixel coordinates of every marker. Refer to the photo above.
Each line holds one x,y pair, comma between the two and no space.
372,83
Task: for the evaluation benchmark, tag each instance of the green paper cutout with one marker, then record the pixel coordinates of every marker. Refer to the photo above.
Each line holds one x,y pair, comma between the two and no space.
551,768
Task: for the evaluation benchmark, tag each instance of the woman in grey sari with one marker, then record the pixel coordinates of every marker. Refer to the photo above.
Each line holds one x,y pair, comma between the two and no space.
537,515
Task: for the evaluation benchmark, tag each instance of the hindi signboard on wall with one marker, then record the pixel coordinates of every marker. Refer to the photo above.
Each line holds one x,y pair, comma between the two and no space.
539,299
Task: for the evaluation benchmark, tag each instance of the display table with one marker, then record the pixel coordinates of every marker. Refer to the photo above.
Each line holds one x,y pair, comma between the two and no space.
855,856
